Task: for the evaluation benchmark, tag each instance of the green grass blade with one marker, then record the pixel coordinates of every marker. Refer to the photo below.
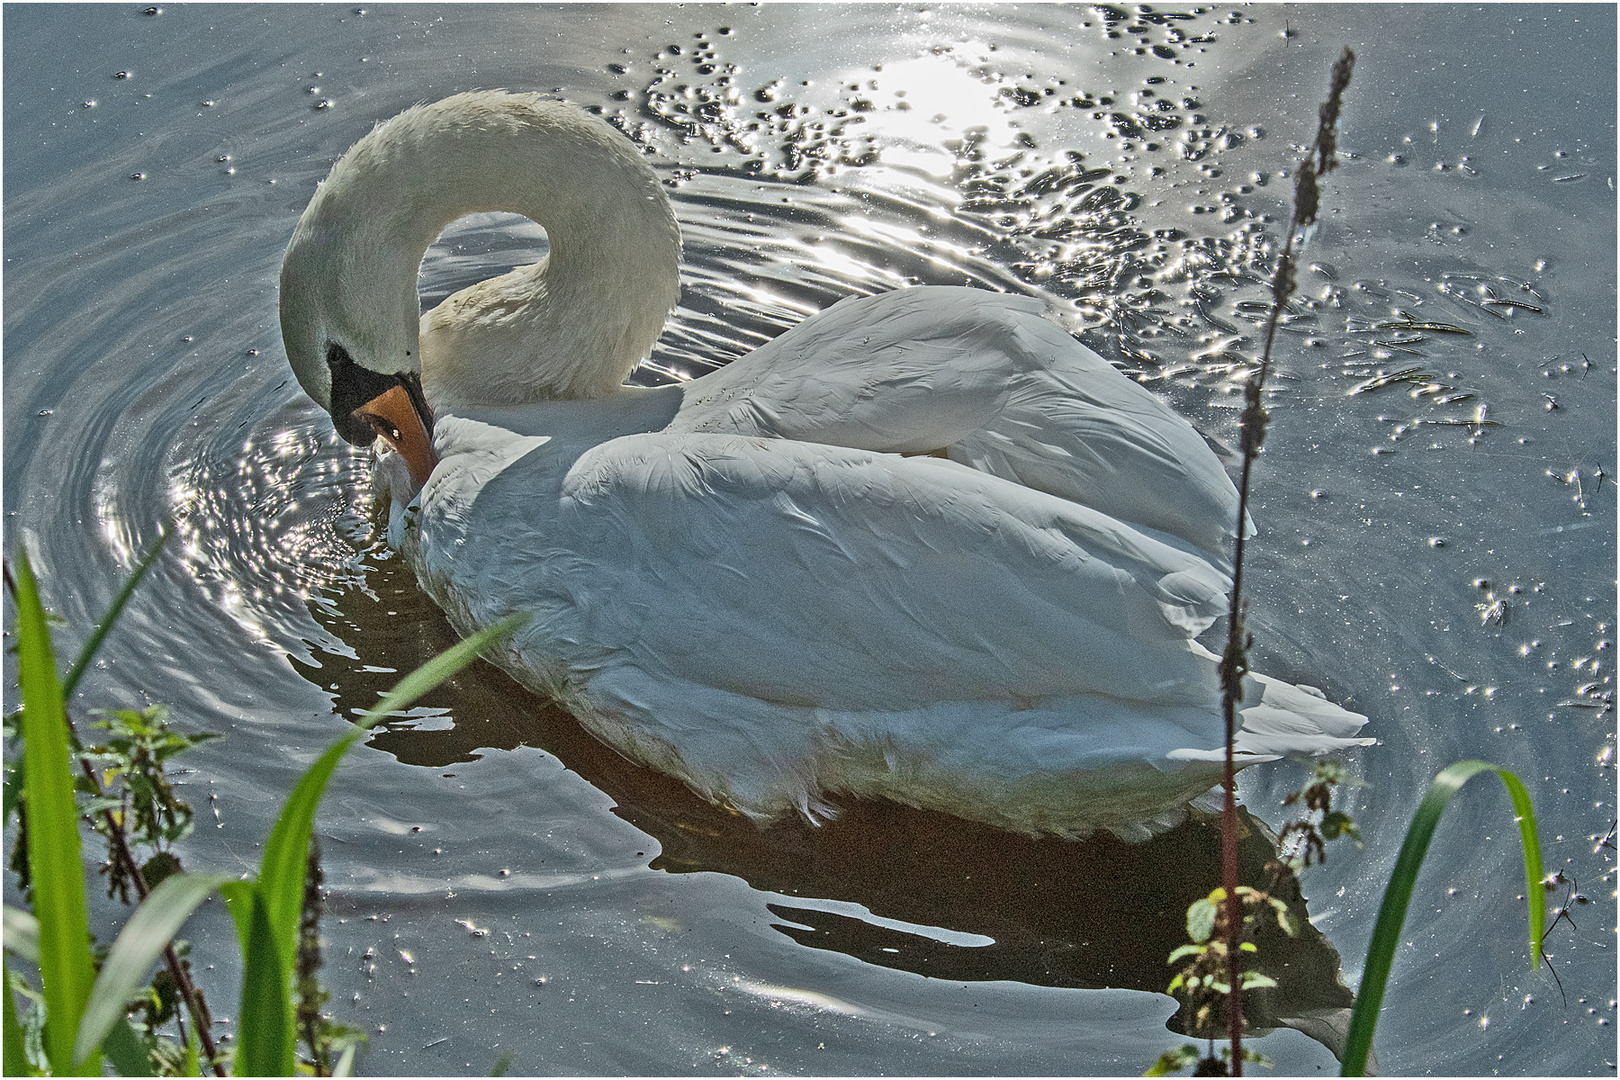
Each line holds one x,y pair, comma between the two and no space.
65,971
265,1037
87,651
263,1023
1535,893
286,854
1398,896
142,941
192,1066
268,925
281,876
16,1059
438,669
240,896
22,934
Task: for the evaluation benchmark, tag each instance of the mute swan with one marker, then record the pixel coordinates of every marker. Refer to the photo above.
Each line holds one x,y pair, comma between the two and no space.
923,546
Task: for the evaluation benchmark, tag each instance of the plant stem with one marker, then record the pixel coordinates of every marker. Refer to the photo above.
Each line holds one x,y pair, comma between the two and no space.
1234,906
308,964
182,978
1235,659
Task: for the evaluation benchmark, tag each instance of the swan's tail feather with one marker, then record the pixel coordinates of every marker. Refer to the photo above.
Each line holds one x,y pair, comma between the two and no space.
1288,719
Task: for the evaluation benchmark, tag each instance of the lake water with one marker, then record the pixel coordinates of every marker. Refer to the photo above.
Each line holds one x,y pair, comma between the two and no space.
1436,501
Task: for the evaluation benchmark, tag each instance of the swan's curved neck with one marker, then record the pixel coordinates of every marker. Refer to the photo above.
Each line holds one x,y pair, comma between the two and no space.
573,325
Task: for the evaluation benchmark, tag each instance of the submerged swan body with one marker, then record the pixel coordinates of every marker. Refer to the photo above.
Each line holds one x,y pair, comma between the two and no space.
924,546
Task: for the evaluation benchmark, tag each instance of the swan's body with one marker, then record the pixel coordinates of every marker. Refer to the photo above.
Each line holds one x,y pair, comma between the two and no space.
741,580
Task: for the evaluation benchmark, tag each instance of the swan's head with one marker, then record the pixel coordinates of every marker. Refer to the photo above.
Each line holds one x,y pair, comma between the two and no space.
573,325
352,345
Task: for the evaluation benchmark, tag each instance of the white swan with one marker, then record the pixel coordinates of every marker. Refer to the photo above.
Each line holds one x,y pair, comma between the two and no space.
743,580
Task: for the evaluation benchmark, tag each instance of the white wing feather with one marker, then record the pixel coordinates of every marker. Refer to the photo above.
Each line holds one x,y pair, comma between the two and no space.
984,377
856,580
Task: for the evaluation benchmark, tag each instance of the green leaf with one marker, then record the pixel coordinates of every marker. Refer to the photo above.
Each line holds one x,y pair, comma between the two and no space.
65,971
281,876
32,1021
1253,980
1337,824
265,1034
87,651
440,668
16,1059
1254,1057
1201,916
127,1052
192,1065
268,925
1398,895
22,934
1173,1060
130,961
1184,950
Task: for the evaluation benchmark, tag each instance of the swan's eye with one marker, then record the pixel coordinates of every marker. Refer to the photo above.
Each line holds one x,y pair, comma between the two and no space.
381,426
352,387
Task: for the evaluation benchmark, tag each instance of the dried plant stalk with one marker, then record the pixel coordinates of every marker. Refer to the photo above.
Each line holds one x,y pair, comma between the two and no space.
1319,161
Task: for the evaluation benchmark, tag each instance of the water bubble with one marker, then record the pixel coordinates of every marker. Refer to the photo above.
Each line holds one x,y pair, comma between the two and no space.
123,74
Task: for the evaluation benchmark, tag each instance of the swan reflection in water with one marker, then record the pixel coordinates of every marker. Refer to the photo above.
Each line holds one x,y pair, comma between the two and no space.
1083,914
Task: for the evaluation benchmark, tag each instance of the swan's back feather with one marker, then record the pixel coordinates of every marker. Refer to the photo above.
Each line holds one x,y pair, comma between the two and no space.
984,377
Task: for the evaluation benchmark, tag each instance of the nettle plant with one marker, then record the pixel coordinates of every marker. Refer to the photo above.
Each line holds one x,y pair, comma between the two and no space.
92,1006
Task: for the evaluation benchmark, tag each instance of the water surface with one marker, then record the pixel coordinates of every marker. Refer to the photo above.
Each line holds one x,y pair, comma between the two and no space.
1436,499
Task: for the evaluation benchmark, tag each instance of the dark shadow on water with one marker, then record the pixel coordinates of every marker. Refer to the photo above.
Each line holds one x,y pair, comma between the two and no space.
1088,914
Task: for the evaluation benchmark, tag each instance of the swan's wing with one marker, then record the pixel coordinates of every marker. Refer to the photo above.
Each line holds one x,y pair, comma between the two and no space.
808,574
984,377
910,372
769,619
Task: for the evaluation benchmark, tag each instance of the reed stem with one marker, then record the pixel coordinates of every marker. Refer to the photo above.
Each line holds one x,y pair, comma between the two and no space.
1319,160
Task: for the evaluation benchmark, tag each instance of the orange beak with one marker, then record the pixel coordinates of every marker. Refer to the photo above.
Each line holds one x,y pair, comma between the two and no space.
394,417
